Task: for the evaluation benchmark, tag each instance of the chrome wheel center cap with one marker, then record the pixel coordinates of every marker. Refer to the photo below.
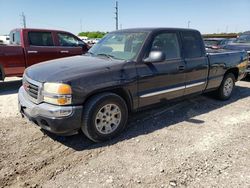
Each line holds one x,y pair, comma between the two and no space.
108,119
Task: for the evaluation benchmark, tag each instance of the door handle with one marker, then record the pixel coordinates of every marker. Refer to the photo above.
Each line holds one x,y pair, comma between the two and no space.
181,68
64,51
32,52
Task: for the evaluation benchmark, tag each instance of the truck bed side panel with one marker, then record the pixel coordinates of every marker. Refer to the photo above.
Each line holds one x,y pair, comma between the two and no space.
12,60
220,63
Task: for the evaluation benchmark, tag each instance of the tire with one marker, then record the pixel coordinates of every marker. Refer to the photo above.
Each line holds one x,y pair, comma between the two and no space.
105,116
1,75
227,86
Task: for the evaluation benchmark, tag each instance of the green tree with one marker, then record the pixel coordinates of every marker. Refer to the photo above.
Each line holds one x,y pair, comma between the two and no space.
92,34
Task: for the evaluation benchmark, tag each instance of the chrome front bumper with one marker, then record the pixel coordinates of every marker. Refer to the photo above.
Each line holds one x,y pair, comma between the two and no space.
43,109
56,119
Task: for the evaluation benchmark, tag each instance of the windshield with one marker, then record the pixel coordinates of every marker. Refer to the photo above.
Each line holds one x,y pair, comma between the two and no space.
243,39
211,42
123,46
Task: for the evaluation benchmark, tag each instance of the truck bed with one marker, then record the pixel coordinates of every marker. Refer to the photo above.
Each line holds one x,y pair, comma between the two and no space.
219,60
12,59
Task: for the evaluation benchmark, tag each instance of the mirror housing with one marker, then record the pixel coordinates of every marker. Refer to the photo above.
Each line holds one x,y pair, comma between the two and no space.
155,56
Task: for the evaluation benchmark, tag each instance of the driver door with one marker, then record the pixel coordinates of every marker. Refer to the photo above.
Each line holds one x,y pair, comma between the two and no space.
161,81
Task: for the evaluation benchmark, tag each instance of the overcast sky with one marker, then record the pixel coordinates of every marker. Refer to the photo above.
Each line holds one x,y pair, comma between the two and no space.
91,15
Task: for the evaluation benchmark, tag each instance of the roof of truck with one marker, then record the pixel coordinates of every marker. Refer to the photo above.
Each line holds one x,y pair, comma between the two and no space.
38,29
246,32
150,29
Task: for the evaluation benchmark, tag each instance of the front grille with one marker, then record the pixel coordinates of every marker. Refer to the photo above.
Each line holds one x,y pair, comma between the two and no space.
32,88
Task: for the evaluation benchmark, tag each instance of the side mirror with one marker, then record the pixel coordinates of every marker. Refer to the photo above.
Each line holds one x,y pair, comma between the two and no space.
155,56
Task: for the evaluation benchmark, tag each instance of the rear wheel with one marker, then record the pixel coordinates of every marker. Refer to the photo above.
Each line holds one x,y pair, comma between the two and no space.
104,117
227,86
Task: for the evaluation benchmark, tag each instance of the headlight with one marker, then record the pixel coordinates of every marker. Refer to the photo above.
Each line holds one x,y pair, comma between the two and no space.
57,93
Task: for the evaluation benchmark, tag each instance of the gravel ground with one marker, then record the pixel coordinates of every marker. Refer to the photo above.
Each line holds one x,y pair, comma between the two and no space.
199,142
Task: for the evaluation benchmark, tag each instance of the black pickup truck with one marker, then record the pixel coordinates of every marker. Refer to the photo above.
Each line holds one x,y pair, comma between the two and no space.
126,71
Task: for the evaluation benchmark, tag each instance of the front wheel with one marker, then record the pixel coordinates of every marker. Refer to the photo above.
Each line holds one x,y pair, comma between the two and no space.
104,117
227,86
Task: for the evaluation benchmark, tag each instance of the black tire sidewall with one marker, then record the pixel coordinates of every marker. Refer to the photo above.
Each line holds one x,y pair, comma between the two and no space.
221,92
93,133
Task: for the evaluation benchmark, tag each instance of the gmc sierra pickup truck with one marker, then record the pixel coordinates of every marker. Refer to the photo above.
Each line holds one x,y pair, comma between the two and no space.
31,46
126,71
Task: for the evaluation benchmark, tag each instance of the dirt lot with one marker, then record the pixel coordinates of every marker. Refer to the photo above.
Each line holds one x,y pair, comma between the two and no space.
200,142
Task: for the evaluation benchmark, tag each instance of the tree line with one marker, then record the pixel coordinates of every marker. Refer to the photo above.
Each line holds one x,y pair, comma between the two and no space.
93,34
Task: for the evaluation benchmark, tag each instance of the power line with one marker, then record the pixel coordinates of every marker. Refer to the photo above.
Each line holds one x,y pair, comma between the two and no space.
116,15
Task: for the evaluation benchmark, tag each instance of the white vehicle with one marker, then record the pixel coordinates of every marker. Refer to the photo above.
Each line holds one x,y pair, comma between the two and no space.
83,38
93,40
96,40
5,39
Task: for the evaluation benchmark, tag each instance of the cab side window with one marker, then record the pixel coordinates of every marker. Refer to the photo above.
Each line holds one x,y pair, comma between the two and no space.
66,39
40,39
168,43
192,44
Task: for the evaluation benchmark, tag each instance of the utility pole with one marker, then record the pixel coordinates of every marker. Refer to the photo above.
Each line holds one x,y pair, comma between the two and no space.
189,23
116,15
23,20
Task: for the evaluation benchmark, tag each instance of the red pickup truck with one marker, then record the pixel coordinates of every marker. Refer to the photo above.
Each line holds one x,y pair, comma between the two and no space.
31,46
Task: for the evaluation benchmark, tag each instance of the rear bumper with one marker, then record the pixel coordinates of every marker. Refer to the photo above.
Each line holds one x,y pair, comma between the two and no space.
63,120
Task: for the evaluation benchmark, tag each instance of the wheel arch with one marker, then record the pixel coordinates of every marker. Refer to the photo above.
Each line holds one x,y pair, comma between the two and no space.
123,93
234,71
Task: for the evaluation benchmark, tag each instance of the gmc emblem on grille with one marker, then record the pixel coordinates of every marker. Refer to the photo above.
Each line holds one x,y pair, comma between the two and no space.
26,86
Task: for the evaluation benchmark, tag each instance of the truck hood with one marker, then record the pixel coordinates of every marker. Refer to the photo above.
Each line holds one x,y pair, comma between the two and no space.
238,46
66,69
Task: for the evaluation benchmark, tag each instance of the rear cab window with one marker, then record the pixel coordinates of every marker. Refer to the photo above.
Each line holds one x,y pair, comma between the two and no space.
192,45
40,38
15,37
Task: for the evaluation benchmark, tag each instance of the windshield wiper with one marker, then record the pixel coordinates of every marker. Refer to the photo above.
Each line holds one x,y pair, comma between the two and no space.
106,55
91,53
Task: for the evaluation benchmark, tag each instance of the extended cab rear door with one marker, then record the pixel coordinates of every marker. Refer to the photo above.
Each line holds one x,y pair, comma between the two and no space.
40,47
161,81
196,62
69,45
